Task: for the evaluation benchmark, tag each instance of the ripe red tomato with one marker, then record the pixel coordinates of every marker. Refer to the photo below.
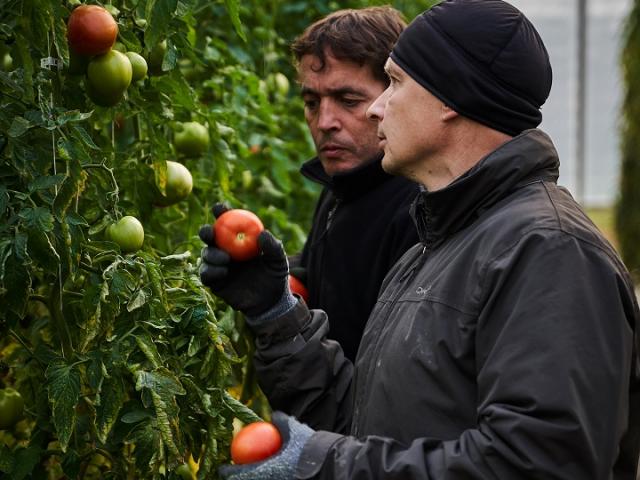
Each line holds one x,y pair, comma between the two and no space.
296,286
91,30
236,232
257,441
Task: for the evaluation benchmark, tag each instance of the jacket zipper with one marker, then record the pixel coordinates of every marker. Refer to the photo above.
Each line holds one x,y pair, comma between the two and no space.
411,272
331,214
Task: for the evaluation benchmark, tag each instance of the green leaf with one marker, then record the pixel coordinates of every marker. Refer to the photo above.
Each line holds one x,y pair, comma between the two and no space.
42,250
72,116
160,380
25,461
17,282
64,392
159,14
45,182
38,218
145,343
233,8
164,423
109,402
139,300
19,127
239,409
7,459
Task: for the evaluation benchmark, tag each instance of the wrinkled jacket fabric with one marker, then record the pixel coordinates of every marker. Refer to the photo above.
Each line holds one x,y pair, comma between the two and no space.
361,227
505,346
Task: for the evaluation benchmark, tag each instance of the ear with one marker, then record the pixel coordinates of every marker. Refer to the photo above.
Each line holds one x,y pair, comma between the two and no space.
447,113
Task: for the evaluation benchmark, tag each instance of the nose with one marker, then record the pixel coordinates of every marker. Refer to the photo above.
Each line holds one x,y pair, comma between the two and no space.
328,118
376,109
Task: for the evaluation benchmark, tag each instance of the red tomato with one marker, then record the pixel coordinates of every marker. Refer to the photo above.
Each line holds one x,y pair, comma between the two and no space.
91,30
296,286
257,441
236,233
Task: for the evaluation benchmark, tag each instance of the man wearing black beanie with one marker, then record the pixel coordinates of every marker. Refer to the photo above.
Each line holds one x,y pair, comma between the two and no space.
503,346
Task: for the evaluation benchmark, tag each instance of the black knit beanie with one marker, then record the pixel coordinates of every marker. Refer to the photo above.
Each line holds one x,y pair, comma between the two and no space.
483,58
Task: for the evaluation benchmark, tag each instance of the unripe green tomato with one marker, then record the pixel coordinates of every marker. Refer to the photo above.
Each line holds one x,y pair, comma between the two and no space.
279,83
7,62
102,99
179,184
138,66
156,57
11,407
184,472
128,233
110,74
191,139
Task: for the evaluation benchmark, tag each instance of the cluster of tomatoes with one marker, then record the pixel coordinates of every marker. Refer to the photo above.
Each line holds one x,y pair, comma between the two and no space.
91,34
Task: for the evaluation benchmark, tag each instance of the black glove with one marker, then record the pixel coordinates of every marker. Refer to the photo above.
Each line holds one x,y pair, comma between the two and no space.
296,269
252,286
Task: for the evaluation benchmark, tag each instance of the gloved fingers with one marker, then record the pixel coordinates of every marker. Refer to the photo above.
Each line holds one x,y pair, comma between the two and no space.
211,274
219,208
236,472
207,235
271,248
215,256
281,421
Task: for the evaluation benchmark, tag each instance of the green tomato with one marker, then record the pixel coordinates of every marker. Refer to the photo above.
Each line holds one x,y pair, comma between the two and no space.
11,407
191,139
109,74
138,66
156,57
128,233
278,83
184,472
178,187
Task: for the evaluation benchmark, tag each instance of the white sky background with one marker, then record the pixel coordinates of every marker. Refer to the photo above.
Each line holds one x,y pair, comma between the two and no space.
556,21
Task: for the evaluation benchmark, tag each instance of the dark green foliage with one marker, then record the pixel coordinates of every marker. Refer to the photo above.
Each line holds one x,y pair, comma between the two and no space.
628,205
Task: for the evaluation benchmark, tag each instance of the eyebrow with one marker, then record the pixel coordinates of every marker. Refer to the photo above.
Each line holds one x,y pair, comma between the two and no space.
334,92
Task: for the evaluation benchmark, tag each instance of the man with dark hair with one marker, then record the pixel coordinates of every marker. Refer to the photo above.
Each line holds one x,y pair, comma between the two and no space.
361,224
505,345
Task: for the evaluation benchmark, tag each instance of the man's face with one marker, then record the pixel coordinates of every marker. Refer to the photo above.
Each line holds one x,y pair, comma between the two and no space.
410,130
336,100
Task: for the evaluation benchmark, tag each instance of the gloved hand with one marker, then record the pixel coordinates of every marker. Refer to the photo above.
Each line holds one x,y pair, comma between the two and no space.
282,465
252,286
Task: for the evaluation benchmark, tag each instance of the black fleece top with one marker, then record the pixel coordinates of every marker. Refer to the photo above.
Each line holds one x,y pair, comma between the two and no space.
361,226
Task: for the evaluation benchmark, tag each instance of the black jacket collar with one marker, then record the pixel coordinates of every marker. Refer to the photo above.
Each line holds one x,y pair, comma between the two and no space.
526,158
350,184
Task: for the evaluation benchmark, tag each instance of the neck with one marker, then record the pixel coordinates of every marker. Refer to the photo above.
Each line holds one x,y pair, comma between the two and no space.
465,144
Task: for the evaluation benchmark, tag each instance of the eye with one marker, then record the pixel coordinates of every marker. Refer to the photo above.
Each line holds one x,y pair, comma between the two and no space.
310,103
351,102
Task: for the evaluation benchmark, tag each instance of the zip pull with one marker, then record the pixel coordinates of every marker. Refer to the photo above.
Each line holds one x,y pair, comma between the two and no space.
331,214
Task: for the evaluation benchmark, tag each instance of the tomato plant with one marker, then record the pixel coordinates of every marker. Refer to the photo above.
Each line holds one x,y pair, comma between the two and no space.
298,287
191,139
128,233
255,442
91,30
126,362
11,407
236,232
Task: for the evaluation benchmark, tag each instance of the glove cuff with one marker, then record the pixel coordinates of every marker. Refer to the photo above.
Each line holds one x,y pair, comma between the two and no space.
284,305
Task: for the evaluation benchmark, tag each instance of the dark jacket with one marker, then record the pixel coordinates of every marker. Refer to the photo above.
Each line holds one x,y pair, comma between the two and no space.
505,346
361,227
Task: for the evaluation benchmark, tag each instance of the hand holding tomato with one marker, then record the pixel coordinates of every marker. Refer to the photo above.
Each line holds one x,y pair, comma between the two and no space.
280,462
251,285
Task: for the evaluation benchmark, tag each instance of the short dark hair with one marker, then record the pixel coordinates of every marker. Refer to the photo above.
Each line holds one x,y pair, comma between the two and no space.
364,36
